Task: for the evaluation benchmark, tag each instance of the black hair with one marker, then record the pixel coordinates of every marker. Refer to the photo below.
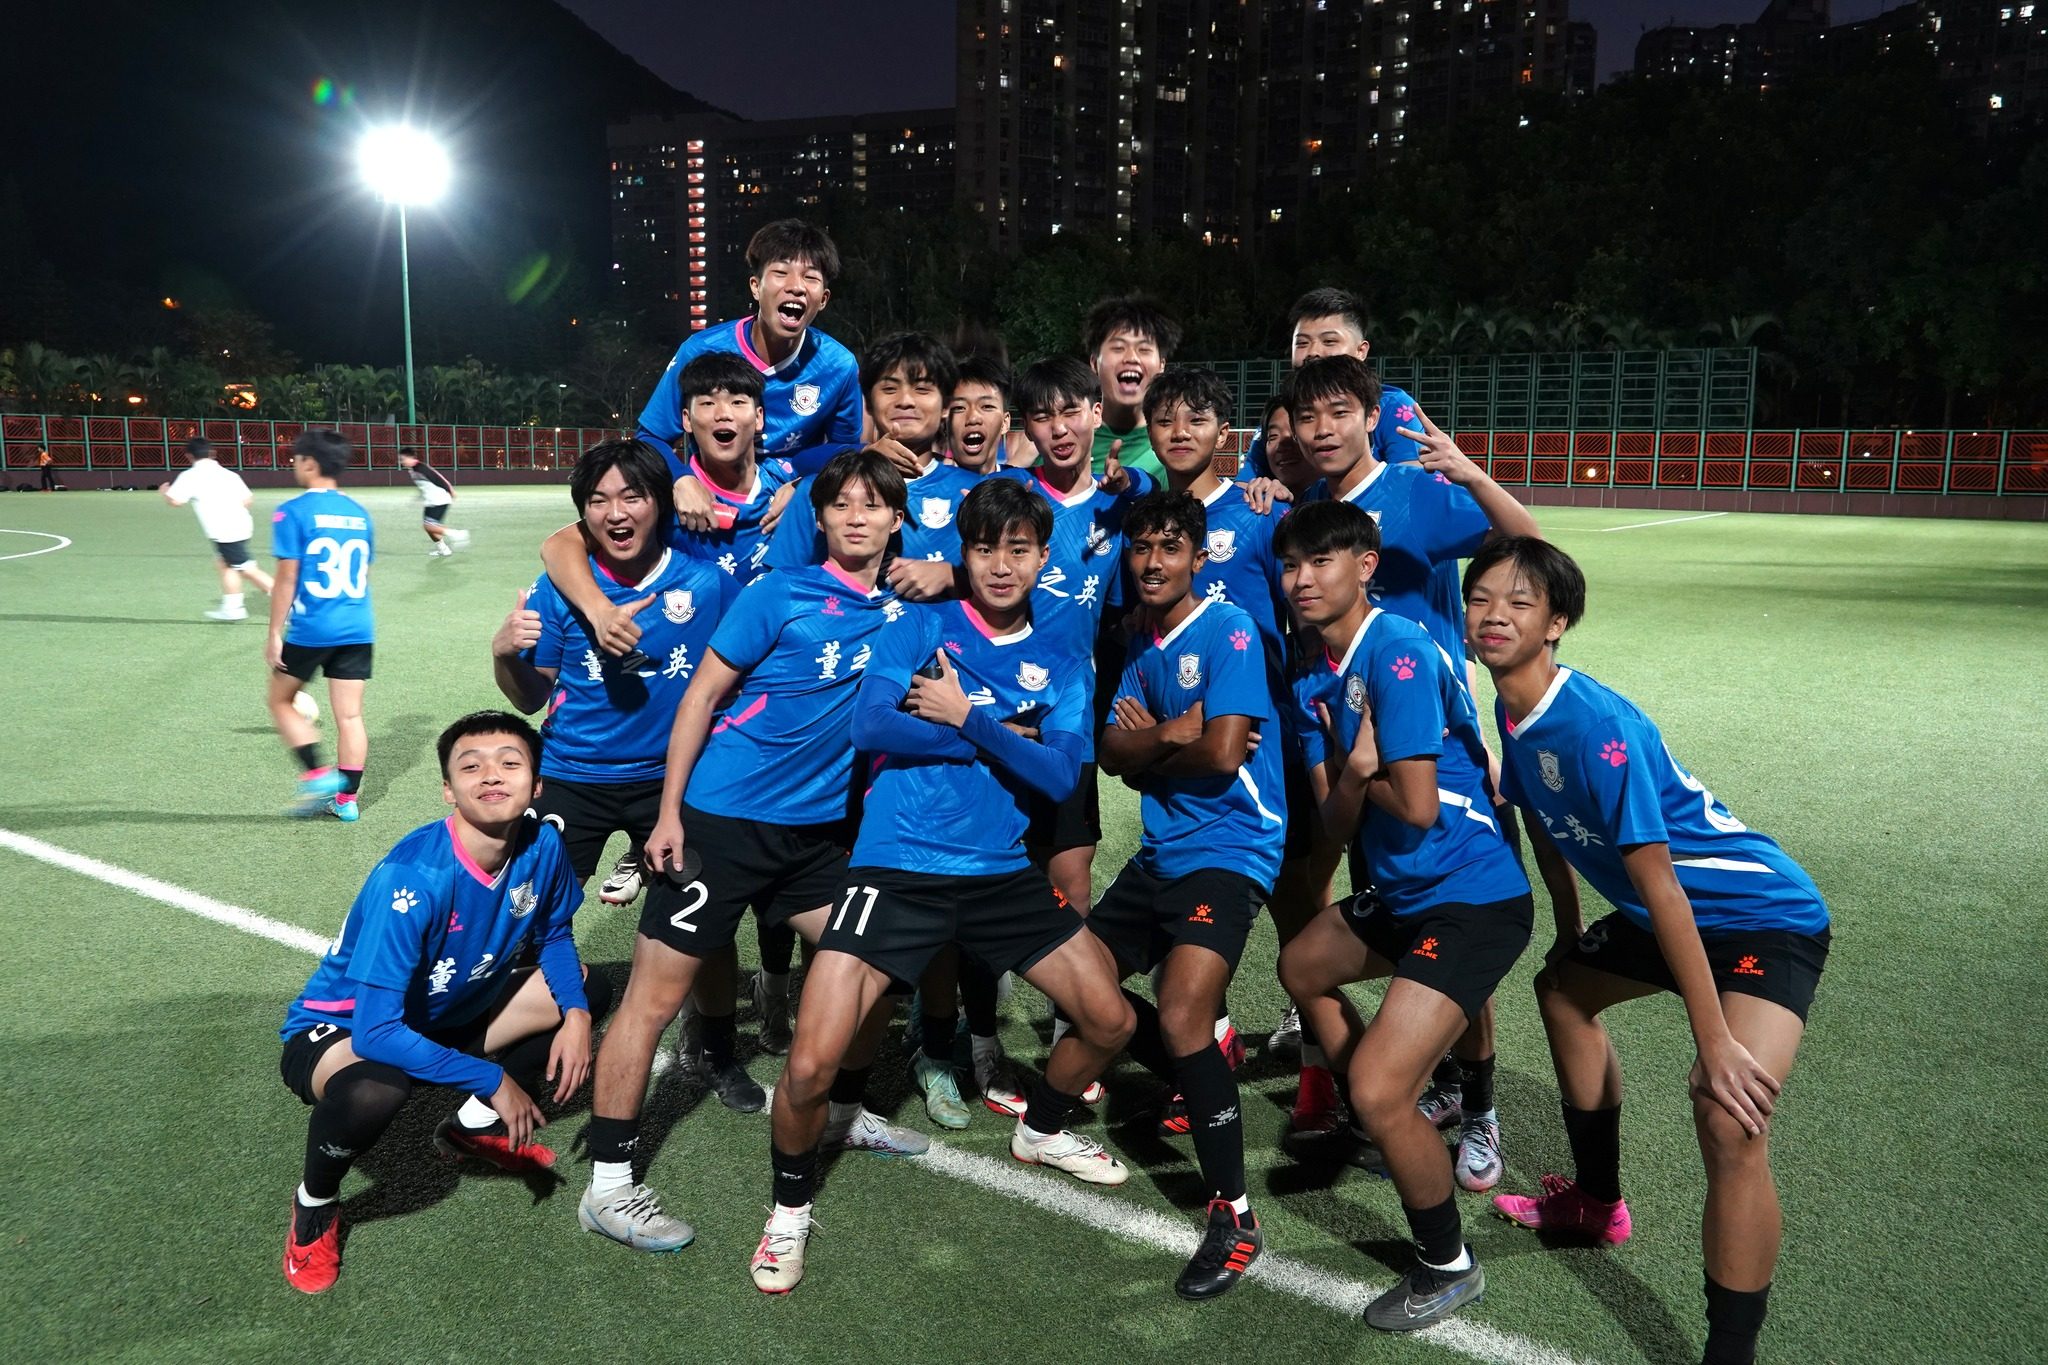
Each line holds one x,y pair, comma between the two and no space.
1549,570
792,239
639,464
1328,303
993,506
198,447
1320,528
328,449
976,368
715,370
1199,389
1164,510
1327,376
921,355
1129,313
488,723
869,467
408,450
1277,403
1046,385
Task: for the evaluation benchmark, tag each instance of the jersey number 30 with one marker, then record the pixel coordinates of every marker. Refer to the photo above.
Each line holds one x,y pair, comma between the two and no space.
344,567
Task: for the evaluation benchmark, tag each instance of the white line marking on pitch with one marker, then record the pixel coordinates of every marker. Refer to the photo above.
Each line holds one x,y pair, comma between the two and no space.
62,542
1127,1222
1668,521
206,907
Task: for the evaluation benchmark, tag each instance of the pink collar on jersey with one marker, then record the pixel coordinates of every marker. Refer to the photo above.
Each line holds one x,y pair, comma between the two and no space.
988,632
832,567
1084,489
754,358
652,574
469,864
704,478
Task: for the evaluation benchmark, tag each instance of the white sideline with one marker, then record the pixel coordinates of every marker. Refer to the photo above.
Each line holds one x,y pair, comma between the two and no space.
1639,525
1052,1193
62,542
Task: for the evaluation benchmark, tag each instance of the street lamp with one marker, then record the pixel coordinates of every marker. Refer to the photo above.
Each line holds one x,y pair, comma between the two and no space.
404,166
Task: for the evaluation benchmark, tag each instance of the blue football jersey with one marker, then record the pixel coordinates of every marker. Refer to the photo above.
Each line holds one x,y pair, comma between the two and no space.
1397,410
605,724
1420,709
1427,524
962,817
331,536
739,548
1596,771
811,398
1085,565
928,531
1236,822
1242,568
782,752
431,923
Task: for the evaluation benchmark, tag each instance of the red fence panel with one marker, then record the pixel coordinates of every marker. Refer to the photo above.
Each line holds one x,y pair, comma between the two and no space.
2026,463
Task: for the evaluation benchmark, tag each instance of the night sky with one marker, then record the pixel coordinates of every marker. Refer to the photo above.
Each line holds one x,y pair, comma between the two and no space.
796,58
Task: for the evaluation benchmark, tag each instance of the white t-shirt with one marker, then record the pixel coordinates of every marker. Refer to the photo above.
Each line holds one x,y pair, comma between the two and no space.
216,495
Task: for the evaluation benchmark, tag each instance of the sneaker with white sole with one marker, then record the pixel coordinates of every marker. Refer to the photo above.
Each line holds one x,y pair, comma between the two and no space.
441,552
1093,1095
1479,1156
778,1263
633,1217
866,1132
622,887
1002,1089
228,614
1080,1157
772,1004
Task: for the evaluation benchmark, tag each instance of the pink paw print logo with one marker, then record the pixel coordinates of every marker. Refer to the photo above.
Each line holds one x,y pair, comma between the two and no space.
1406,412
1240,640
1404,668
1615,751
832,607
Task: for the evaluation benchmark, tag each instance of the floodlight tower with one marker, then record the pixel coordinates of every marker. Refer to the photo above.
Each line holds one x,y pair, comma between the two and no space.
404,166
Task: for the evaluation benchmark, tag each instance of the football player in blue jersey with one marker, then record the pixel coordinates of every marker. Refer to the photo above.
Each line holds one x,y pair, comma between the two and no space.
966,708
1194,704
754,812
908,379
320,622
421,987
1188,413
1325,322
608,723
1392,742
812,396
978,417
1706,909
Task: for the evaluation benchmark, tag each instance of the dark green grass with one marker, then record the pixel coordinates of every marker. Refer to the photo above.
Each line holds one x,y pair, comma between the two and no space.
1867,691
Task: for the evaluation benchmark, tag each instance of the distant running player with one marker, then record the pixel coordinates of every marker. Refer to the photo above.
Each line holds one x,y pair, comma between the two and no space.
1706,909
420,987
221,501
320,622
436,493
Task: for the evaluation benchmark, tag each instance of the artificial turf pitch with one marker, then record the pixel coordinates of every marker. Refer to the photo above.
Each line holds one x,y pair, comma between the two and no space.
1868,691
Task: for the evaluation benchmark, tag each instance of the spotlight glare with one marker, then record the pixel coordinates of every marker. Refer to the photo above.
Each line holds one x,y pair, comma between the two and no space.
403,165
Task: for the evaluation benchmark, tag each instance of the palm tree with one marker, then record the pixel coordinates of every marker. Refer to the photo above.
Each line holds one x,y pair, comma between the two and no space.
45,378
107,380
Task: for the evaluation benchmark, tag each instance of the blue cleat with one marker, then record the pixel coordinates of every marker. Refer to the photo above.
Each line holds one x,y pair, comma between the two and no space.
316,793
344,811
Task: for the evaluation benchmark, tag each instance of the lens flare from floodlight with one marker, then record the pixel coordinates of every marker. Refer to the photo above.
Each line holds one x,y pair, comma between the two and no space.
403,165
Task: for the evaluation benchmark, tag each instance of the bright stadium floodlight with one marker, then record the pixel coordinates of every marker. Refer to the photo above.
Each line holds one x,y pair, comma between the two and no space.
404,166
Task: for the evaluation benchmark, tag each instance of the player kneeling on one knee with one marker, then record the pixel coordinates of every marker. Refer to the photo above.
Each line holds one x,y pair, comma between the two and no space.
419,986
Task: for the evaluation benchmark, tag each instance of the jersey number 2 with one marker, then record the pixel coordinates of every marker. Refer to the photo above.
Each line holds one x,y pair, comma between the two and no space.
695,894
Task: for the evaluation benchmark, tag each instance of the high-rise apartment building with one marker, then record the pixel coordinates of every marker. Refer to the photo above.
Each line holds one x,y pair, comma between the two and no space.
1224,117
689,191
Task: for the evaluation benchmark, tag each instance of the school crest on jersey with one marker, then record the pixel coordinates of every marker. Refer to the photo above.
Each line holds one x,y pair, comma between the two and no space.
1222,545
1098,538
523,900
1032,678
1354,694
935,513
1546,764
803,399
1190,674
678,605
